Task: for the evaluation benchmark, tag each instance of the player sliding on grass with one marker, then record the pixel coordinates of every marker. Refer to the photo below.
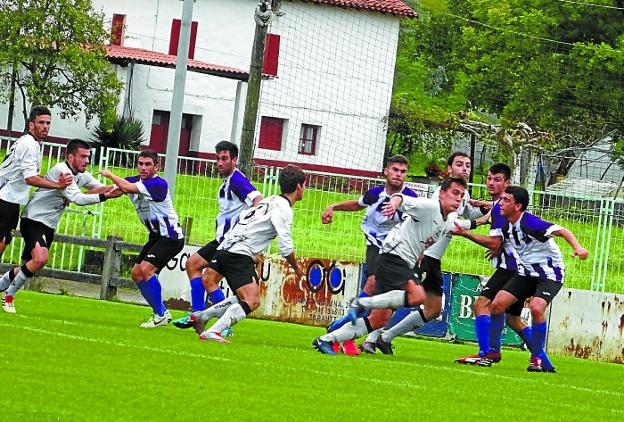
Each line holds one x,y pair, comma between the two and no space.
234,258
540,272
375,226
398,281
149,194
43,212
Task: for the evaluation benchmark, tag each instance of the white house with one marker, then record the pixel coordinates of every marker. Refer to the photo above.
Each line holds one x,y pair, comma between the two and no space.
329,67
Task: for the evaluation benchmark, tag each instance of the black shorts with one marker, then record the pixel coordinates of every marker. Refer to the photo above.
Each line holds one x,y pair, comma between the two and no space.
159,250
430,272
238,269
392,273
547,289
372,254
496,283
207,252
522,287
33,232
9,216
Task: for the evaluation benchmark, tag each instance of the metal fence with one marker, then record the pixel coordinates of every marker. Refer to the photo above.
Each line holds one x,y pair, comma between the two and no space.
598,222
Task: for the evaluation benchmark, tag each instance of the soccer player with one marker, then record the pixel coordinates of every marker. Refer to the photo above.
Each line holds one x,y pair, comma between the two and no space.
397,285
20,170
234,258
458,166
540,271
235,195
375,226
149,194
43,212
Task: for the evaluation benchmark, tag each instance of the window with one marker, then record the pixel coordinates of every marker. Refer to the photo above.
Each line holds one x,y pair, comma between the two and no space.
271,54
117,29
271,132
175,37
308,139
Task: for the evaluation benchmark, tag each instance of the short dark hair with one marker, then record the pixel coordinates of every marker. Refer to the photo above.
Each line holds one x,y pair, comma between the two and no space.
397,159
448,181
75,144
454,156
501,168
227,146
149,153
290,177
37,111
520,195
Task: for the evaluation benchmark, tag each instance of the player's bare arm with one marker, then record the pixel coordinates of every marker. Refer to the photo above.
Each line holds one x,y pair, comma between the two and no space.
569,237
292,260
390,207
123,184
490,242
257,200
41,182
351,205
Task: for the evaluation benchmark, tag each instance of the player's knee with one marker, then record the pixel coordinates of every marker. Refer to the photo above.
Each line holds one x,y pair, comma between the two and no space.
498,307
136,274
482,306
369,287
537,310
194,265
39,258
416,298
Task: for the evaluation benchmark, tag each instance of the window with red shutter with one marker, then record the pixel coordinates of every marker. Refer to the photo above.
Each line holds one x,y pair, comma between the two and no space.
271,54
175,38
271,132
117,29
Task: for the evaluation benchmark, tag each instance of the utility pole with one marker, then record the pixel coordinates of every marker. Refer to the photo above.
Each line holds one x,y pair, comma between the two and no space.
177,102
262,16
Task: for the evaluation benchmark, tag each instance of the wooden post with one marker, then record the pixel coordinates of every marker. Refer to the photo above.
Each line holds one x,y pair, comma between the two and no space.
187,227
110,268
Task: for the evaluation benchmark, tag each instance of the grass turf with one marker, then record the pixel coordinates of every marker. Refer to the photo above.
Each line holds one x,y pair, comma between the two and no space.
68,358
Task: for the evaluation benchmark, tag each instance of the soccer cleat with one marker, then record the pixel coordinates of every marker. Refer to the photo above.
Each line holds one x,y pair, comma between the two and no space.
336,347
483,362
384,346
349,348
184,322
213,336
354,310
535,364
197,323
469,360
491,357
227,332
157,321
368,347
324,347
7,304
495,357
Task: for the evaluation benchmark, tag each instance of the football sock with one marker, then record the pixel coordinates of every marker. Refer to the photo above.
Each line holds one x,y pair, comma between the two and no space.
527,337
6,279
398,316
539,336
348,331
345,318
216,311
216,296
390,300
482,327
198,295
410,322
497,323
152,292
233,314
373,335
20,279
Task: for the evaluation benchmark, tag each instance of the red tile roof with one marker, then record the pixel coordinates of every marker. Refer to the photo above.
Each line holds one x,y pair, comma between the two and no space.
118,54
394,7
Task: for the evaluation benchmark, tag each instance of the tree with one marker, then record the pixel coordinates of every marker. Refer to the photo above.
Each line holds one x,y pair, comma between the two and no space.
53,51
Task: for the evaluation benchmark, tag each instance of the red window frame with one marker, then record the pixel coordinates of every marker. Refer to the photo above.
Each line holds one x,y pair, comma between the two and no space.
176,24
271,55
271,133
308,139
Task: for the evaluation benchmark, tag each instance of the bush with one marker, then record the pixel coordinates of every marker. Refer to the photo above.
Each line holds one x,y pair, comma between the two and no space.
126,133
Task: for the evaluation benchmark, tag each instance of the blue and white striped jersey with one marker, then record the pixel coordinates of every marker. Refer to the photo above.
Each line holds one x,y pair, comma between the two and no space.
154,206
235,195
375,225
508,258
540,256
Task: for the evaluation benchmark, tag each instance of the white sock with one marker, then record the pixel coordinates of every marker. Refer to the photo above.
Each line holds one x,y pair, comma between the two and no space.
372,337
5,280
216,311
232,315
18,283
347,332
407,324
393,299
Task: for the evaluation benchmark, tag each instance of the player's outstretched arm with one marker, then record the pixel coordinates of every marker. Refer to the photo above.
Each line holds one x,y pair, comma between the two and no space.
490,242
350,205
123,184
569,237
292,260
41,182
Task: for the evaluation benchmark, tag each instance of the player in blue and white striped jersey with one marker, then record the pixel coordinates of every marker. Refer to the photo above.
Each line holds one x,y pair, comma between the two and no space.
375,225
149,194
235,195
540,270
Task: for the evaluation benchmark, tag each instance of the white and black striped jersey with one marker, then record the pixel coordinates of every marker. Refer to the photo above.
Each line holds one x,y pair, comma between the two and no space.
235,195
23,160
46,205
465,210
257,227
422,226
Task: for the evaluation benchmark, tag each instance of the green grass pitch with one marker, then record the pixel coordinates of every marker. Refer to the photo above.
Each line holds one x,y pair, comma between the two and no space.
68,358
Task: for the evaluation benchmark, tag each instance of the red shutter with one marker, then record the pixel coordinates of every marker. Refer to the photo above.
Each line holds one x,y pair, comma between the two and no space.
175,38
271,54
271,130
117,29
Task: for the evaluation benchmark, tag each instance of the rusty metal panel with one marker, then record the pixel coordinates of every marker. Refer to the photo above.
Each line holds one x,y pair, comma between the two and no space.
588,325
